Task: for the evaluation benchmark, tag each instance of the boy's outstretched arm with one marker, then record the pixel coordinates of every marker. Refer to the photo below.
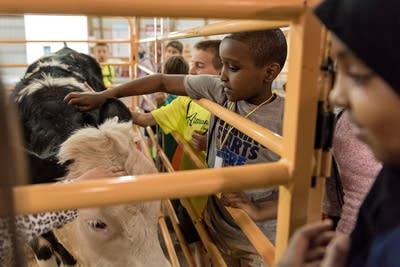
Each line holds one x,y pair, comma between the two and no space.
143,119
150,84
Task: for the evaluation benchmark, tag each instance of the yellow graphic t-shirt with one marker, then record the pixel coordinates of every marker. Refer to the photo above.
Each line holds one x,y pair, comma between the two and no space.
184,116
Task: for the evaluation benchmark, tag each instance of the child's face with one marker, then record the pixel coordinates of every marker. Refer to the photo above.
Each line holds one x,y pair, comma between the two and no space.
171,51
242,79
202,63
372,105
100,53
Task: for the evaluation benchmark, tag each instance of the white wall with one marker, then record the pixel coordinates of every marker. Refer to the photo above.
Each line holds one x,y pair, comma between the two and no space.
54,28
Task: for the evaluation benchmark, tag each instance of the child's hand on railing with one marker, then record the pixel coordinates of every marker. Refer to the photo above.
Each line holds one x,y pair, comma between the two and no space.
199,140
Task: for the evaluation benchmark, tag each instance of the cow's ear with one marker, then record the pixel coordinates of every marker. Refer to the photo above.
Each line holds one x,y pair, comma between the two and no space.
45,170
114,108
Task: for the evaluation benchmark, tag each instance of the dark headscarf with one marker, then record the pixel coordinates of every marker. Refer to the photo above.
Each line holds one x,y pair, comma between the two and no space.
371,30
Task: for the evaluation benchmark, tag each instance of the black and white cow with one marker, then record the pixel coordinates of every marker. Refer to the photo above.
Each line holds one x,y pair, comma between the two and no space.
48,121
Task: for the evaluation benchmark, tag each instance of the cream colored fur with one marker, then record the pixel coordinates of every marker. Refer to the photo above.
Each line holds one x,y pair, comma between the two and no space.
131,237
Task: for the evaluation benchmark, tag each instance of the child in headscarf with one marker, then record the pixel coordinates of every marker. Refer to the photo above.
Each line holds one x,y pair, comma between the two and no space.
366,42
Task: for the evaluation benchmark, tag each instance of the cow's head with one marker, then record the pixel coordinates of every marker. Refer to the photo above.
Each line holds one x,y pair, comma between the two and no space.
44,134
47,120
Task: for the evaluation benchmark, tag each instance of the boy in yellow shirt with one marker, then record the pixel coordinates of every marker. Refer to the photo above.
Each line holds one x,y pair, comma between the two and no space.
183,115
100,52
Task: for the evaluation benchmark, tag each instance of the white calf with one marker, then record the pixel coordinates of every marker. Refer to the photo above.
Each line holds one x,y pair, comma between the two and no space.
123,235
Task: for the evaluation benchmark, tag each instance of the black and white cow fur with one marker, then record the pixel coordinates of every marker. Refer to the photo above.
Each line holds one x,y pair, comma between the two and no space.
48,121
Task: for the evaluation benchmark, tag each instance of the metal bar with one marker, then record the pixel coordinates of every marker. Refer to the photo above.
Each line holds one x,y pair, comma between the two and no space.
19,41
129,189
134,56
168,242
205,238
221,28
142,141
117,64
197,221
167,164
322,158
299,125
171,212
155,43
162,47
262,135
244,9
22,65
181,238
256,237
148,71
25,65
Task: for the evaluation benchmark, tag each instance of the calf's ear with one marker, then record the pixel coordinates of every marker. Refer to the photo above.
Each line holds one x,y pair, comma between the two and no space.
114,108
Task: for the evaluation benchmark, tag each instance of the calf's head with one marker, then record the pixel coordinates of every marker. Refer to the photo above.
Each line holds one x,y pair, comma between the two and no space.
123,235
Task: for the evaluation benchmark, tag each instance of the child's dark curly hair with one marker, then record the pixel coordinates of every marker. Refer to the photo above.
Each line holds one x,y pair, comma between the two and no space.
267,46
